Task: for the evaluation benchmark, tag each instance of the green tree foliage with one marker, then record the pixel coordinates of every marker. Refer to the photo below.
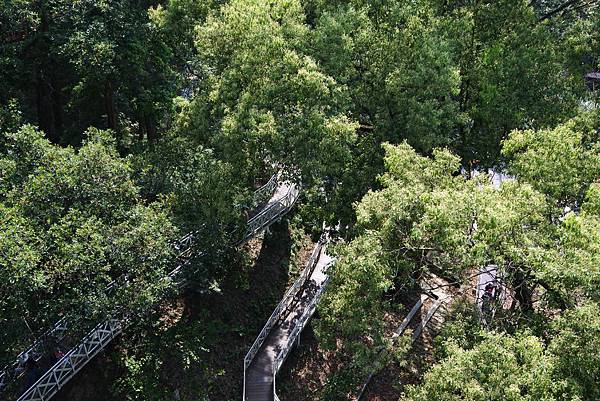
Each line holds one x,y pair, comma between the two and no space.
75,64
359,279
428,218
499,368
263,101
372,106
395,63
199,187
578,25
521,367
560,162
404,227
73,221
397,66
117,52
178,19
10,116
574,341
511,73
201,192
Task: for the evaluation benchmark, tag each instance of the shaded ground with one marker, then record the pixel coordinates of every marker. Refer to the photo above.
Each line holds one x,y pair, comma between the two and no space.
197,343
306,373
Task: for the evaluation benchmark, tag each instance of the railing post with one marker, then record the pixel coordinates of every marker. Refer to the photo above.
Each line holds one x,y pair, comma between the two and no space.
274,393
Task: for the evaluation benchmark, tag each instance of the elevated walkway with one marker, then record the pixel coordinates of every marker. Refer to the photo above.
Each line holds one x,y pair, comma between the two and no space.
277,198
282,330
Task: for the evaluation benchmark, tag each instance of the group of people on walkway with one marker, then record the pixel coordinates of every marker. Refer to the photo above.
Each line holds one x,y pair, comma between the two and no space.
35,368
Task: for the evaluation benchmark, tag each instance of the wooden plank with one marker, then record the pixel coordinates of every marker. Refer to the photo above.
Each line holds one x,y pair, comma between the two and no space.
396,334
430,313
407,319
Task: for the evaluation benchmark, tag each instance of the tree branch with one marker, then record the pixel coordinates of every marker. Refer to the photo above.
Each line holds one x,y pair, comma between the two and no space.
563,8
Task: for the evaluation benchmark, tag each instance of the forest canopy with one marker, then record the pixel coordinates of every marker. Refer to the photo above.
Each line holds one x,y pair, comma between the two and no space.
127,125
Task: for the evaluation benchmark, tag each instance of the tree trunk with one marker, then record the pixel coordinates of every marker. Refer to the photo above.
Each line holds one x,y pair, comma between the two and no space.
523,291
57,106
44,97
150,125
111,108
45,107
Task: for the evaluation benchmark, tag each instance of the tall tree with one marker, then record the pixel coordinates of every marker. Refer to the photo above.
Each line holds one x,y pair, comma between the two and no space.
428,217
263,103
74,222
499,368
511,73
397,65
73,65
521,367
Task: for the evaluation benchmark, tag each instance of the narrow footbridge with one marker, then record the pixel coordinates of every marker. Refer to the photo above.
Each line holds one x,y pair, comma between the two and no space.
273,200
282,330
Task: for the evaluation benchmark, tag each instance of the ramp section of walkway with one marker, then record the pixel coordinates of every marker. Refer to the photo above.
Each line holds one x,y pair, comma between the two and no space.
61,329
429,303
281,202
282,330
283,198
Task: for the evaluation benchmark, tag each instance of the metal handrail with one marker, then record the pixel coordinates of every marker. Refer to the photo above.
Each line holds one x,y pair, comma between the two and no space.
271,213
284,303
265,192
61,372
72,362
300,325
60,329
36,350
294,335
291,193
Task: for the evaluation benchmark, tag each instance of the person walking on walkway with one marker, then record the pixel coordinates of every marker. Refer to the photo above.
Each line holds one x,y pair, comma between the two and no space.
33,372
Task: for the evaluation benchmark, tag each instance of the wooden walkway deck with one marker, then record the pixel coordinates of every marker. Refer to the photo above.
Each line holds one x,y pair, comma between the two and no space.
259,376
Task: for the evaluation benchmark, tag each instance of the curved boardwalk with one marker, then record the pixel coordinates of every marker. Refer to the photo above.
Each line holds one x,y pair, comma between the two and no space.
260,374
